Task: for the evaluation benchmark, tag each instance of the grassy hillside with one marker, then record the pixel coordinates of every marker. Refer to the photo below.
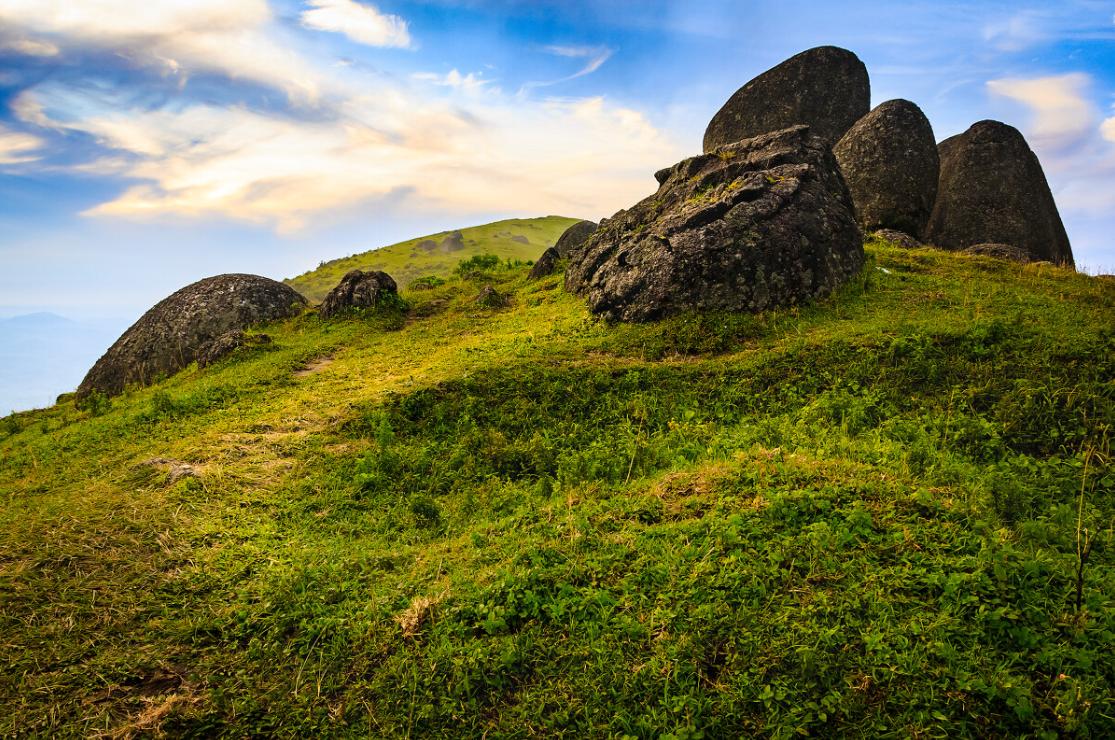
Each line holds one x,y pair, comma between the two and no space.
521,239
859,518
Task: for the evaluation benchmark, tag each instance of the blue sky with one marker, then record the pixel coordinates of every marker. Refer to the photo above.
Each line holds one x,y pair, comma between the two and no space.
144,146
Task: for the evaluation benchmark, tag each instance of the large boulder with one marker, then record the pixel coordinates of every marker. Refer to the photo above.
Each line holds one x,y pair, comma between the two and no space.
826,88
169,336
889,160
761,223
992,190
358,290
574,237
546,264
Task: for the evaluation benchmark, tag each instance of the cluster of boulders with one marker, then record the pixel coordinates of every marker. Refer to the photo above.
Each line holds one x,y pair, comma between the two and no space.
795,167
206,321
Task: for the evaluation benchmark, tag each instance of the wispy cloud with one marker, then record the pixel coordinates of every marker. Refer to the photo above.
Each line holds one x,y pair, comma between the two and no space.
1017,32
1108,129
17,147
360,22
1073,144
454,79
595,57
29,47
449,155
1062,114
229,37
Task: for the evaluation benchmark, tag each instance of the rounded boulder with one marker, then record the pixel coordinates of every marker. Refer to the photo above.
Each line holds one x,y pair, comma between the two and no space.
358,290
573,237
762,223
992,190
826,88
889,160
169,336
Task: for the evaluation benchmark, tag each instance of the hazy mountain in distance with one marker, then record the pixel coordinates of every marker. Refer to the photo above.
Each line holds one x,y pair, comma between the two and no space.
43,355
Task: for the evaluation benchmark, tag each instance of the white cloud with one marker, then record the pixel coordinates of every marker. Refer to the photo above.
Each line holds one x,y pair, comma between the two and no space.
29,47
18,148
479,154
1017,33
231,37
1108,129
362,23
449,143
1062,114
1073,145
596,56
454,79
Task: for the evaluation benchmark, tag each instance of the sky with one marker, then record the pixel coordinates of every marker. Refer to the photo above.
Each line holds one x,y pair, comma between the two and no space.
146,145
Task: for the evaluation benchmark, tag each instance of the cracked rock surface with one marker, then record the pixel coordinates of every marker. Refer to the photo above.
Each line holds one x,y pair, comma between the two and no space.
759,223
171,334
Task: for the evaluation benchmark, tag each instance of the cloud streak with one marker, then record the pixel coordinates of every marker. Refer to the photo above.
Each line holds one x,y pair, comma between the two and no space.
18,148
595,56
235,38
361,23
1074,146
1062,114
449,155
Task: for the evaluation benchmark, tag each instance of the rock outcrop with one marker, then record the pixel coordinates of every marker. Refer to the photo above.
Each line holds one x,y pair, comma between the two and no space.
992,190
489,297
826,88
226,344
898,238
358,290
760,223
999,251
889,160
169,336
545,265
574,237
453,242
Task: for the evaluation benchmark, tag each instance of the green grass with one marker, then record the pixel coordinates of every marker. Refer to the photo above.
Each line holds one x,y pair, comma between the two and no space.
856,518
407,262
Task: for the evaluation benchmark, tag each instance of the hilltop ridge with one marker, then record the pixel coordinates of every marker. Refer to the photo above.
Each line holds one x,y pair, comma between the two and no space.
522,239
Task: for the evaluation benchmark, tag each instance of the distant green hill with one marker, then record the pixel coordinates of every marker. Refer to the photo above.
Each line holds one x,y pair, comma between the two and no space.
437,254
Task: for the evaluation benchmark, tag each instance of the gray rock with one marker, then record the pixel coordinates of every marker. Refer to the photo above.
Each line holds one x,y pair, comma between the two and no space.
226,344
761,223
889,160
573,237
426,245
453,242
358,290
175,470
489,297
992,190
999,251
898,238
169,336
546,264
219,347
520,239
826,88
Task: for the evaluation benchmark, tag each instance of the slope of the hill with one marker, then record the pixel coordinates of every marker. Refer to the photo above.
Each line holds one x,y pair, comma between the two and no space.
865,517
521,239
